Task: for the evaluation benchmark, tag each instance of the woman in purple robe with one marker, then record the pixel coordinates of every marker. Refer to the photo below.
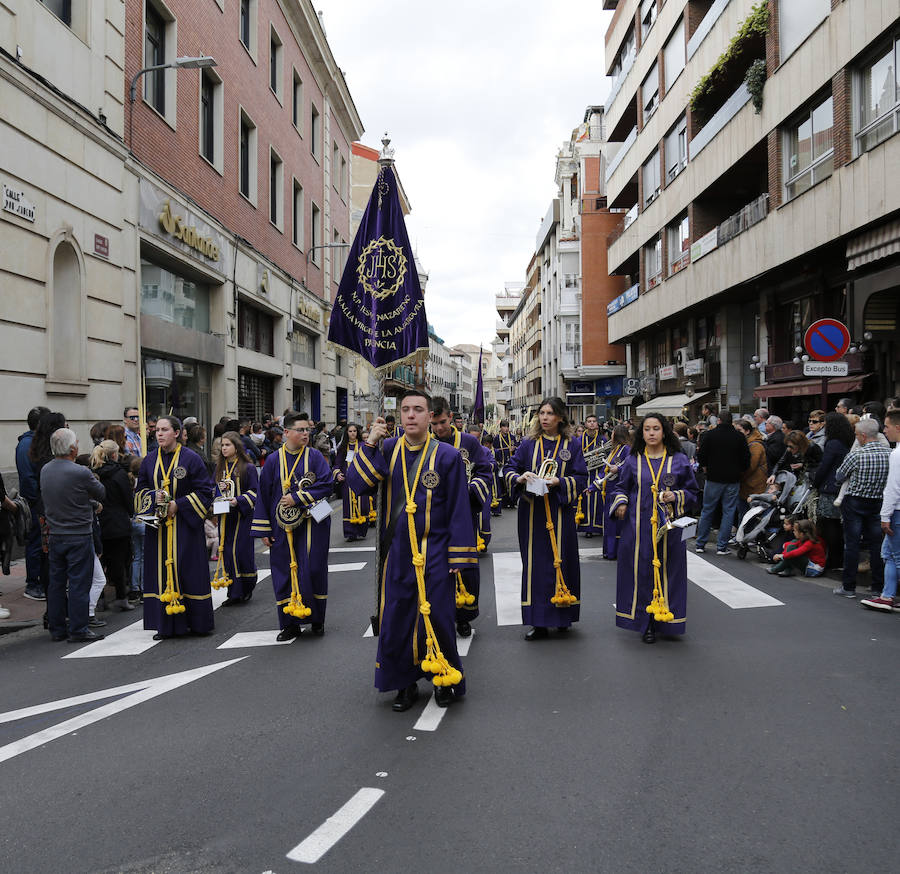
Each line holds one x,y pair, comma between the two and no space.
612,527
235,542
172,478
549,600
356,509
655,484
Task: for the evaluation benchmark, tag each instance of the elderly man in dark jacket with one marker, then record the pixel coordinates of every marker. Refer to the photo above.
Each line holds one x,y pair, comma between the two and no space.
774,441
724,454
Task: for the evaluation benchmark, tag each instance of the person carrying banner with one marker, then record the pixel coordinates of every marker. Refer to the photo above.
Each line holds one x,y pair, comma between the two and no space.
504,447
292,481
589,514
426,537
478,473
174,486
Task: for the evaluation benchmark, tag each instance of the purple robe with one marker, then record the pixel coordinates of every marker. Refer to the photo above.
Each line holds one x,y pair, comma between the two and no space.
191,487
538,573
504,449
310,538
612,527
443,524
352,530
634,571
591,504
239,555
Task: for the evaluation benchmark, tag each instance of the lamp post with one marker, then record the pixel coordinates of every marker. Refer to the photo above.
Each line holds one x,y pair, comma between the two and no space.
183,63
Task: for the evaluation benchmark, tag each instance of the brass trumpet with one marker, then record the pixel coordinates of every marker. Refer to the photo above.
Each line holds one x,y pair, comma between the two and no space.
665,525
548,469
289,518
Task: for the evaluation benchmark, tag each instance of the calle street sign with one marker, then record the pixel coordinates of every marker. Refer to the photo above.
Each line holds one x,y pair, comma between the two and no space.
825,368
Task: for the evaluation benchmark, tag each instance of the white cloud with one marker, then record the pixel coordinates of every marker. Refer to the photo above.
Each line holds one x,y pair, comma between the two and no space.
477,98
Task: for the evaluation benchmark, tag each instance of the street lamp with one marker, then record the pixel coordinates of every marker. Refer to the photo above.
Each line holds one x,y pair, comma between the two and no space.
183,63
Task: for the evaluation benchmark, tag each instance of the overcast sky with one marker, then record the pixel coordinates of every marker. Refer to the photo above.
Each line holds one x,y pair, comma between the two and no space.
477,98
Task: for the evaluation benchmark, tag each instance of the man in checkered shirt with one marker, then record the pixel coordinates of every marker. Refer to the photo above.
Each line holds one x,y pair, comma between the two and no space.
866,469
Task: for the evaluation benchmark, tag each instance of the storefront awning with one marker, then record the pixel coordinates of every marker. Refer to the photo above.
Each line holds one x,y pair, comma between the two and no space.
670,405
624,402
873,245
797,388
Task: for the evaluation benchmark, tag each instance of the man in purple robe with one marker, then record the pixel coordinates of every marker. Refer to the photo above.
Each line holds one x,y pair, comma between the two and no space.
292,481
590,502
504,447
175,482
478,471
426,536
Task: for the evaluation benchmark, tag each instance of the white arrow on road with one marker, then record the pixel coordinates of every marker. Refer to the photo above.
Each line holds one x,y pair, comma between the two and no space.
137,693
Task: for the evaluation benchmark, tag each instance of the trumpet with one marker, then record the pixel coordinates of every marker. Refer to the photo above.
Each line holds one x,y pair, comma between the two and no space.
289,518
548,469
665,525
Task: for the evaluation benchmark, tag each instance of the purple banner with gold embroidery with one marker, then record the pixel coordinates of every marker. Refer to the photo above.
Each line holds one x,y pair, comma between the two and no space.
478,407
379,309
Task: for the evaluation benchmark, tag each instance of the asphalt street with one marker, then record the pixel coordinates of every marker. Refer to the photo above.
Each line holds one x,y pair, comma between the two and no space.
762,741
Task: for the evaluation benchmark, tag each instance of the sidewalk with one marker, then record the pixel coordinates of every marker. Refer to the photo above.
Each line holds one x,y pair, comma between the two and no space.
23,612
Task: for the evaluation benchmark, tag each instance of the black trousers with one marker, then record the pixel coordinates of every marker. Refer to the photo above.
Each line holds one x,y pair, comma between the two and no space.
117,559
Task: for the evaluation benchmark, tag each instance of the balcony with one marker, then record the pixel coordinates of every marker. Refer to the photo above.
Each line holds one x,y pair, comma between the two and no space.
728,111
623,150
744,218
617,83
705,26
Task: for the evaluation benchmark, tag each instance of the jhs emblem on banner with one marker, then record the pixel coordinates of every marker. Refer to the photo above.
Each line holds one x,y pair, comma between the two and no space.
382,268
431,479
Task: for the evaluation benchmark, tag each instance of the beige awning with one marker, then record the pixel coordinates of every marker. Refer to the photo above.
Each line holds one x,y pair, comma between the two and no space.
670,405
873,245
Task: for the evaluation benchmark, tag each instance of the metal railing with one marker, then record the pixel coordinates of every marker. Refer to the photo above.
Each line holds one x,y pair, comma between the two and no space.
749,215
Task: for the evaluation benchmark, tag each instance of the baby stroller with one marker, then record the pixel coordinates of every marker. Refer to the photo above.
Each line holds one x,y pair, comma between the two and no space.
762,523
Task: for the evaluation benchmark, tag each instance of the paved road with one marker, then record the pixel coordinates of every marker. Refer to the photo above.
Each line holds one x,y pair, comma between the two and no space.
762,741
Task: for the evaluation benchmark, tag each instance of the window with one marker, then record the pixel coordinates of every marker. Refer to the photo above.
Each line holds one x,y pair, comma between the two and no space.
648,17
809,149
676,149
173,298
256,395
62,9
303,347
335,166
625,57
276,189
314,131
297,216
315,221
650,172
653,261
255,329
154,54
275,56
673,55
248,25
650,92
679,244
343,179
247,158
797,19
211,120
297,102
878,98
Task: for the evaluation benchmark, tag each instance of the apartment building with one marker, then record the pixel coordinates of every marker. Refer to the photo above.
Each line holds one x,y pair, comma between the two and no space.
525,343
506,304
756,144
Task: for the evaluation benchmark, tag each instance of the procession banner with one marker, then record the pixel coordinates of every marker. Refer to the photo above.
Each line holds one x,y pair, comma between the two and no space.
478,408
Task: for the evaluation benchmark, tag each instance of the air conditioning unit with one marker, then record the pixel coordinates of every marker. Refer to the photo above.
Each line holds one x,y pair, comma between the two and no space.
682,355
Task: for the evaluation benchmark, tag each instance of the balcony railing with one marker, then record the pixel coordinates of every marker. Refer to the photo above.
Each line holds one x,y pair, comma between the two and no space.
728,111
705,26
623,150
744,218
617,83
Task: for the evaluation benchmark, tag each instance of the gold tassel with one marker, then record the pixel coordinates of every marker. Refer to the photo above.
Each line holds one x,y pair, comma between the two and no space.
295,607
220,579
579,513
658,608
563,597
463,597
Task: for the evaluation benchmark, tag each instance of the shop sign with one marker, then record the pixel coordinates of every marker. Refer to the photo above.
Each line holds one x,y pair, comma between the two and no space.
705,244
582,388
16,203
309,311
625,298
610,388
693,367
188,234
631,386
648,385
668,372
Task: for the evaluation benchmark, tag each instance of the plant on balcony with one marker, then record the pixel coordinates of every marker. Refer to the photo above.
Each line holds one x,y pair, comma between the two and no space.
755,81
733,65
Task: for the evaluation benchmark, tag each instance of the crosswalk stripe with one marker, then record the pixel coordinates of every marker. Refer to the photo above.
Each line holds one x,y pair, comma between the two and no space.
246,639
354,566
728,589
351,549
508,587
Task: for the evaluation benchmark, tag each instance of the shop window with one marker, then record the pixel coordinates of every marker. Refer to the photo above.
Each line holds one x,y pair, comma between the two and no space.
303,347
256,395
276,55
877,95
297,215
181,387
173,298
297,102
67,309
809,149
276,189
211,118
315,131
256,329
247,158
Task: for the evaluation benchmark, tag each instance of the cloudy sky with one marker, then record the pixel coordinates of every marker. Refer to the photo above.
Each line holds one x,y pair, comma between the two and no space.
477,98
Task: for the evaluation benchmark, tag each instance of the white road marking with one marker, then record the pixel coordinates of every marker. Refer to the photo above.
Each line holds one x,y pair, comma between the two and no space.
133,639
590,552
508,587
351,549
369,632
728,589
431,717
463,644
355,566
137,693
244,639
335,827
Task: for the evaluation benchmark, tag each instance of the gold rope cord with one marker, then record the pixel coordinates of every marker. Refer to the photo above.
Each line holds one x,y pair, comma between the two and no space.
562,596
463,597
658,608
295,606
434,662
220,579
171,595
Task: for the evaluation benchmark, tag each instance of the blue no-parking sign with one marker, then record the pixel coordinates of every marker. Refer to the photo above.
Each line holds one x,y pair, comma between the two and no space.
826,340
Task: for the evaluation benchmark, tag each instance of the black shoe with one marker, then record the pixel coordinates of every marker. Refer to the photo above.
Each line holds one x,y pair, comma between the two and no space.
318,628
288,633
94,622
443,696
564,629
536,633
35,593
405,698
463,628
649,636
589,535
87,637
230,602
136,595
58,638
160,636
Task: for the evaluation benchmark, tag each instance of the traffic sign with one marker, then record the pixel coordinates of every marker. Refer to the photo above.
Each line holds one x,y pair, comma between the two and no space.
825,368
826,339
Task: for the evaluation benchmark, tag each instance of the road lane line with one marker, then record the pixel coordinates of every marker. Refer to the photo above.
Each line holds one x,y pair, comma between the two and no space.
508,587
351,549
140,692
463,644
728,589
369,632
590,552
355,566
335,827
134,639
431,717
245,639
